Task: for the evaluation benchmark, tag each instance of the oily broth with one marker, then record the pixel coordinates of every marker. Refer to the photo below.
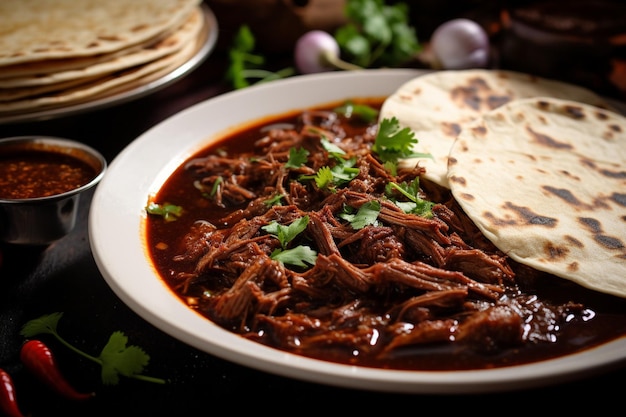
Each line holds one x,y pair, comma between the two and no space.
605,317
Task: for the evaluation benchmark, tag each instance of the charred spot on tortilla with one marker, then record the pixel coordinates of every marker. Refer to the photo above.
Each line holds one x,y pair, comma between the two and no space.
529,217
573,267
478,95
546,140
554,252
609,241
613,174
619,198
575,112
450,129
458,180
480,130
572,241
566,195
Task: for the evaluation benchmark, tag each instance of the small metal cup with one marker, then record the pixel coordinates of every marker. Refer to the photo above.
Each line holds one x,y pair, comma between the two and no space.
43,220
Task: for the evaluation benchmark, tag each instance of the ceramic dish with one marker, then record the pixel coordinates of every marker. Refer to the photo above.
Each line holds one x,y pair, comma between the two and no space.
117,240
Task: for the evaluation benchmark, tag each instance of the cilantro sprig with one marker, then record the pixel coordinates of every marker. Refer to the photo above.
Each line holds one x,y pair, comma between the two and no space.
115,359
364,112
393,142
415,203
169,212
366,215
246,64
300,255
377,34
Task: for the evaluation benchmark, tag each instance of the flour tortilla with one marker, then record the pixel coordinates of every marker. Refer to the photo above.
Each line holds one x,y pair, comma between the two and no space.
436,104
545,180
103,86
148,52
35,30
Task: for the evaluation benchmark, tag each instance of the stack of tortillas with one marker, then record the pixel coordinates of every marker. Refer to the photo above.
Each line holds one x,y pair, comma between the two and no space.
538,165
62,52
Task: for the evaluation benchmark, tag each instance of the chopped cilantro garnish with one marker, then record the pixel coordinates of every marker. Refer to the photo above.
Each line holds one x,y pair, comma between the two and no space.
297,158
366,215
416,204
300,255
393,142
169,212
362,111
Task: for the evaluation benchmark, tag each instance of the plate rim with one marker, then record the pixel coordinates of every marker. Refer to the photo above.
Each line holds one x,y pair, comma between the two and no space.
219,342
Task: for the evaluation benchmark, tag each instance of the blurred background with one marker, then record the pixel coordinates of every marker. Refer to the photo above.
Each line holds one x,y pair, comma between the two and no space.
579,41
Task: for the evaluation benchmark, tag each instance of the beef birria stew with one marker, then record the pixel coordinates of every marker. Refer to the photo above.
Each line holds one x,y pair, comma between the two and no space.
304,233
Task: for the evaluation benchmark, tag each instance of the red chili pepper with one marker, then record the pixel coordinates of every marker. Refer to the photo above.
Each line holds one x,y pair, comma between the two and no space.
38,358
8,400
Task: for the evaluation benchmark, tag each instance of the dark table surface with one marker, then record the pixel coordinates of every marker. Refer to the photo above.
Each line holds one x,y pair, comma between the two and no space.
63,277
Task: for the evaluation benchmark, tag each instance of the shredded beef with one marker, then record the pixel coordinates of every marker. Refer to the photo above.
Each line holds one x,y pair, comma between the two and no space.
404,281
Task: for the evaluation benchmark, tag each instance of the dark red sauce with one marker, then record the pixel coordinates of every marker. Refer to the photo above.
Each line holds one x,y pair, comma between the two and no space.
31,173
602,319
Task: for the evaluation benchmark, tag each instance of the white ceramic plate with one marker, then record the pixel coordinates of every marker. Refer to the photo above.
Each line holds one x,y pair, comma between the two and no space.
117,241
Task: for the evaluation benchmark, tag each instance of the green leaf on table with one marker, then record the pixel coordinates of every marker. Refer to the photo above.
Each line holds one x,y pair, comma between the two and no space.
119,359
46,324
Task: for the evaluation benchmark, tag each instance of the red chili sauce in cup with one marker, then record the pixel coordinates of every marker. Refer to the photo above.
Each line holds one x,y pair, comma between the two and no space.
30,173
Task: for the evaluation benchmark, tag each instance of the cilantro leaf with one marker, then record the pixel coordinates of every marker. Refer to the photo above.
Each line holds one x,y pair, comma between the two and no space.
297,158
274,201
46,324
324,177
366,215
299,256
119,359
115,359
416,204
286,233
245,64
362,111
169,212
377,34
331,148
393,142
